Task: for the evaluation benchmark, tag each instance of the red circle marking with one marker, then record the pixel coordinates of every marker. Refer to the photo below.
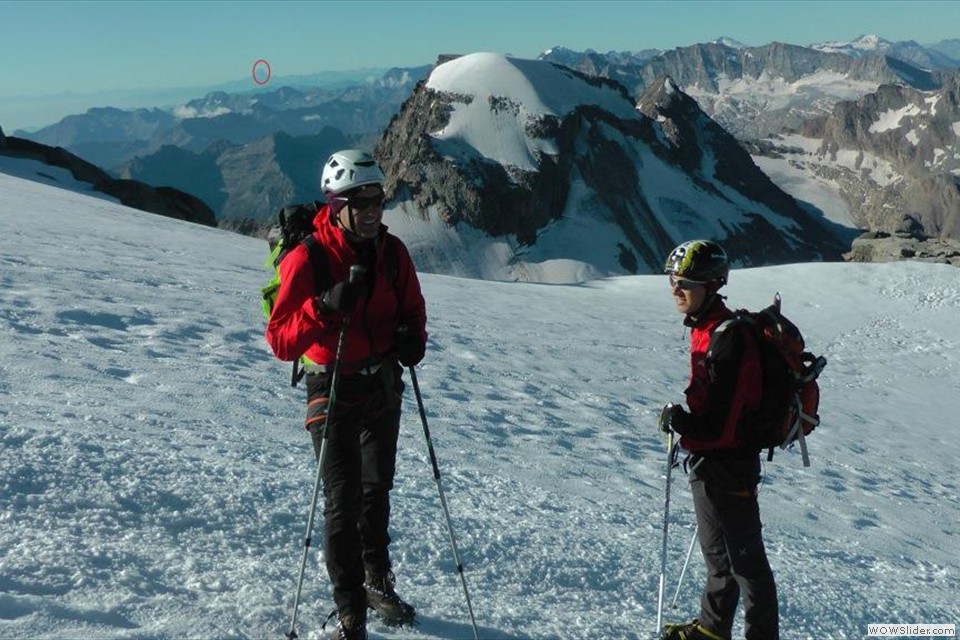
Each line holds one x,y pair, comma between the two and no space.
257,64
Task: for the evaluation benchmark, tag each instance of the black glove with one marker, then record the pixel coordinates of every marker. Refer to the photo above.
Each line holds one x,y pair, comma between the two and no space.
341,297
410,349
669,416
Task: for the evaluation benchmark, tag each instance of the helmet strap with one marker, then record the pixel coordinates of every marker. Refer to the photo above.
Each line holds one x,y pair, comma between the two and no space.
708,301
352,216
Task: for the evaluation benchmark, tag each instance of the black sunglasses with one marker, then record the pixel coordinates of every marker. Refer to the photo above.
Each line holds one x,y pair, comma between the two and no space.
684,283
362,203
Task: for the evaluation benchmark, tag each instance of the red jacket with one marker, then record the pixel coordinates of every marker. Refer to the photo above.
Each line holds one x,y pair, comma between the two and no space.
296,328
722,389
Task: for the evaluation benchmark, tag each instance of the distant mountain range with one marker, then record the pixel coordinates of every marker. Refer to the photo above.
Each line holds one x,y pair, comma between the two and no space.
757,91
800,111
252,180
246,155
930,57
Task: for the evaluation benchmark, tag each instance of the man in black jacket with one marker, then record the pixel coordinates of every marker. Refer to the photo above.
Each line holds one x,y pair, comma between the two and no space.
725,386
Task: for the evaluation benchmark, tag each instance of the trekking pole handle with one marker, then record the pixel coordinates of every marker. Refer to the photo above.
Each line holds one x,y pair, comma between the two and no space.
356,273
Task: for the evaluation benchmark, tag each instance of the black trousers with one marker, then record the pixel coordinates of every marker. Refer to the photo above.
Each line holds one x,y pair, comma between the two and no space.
357,474
729,530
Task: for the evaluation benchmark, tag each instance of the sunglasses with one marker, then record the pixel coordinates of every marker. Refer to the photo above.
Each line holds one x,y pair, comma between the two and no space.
361,203
684,284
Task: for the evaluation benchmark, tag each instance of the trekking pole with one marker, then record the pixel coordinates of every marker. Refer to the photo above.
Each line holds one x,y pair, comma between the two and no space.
443,500
683,572
356,272
693,539
663,547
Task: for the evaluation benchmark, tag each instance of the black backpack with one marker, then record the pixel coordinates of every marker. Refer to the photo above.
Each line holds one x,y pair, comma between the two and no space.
295,226
791,395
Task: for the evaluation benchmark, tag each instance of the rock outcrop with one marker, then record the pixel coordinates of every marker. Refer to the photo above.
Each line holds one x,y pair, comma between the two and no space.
905,146
878,246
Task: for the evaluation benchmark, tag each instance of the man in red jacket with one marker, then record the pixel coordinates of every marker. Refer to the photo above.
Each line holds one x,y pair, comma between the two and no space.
386,328
725,387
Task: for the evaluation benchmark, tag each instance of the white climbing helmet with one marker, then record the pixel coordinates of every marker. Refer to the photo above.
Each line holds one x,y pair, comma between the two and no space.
349,169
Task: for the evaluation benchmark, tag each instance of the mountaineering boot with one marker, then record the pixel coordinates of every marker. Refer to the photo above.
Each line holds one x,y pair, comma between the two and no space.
350,626
688,631
382,598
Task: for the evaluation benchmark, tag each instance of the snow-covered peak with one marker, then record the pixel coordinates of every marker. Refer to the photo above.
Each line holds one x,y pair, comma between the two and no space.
863,45
186,112
498,98
869,42
558,50
541,87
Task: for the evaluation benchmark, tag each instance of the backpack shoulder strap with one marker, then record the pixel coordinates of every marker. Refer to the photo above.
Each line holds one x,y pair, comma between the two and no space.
321,281
744,327
392,257
740,318
321,267
318,261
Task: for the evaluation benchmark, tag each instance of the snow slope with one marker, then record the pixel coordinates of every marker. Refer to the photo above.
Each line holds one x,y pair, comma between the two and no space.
155,477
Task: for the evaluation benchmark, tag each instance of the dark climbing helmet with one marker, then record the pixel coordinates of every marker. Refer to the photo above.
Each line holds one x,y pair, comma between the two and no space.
699,260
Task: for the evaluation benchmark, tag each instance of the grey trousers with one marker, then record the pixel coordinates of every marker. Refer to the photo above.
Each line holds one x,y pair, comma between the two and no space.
729,531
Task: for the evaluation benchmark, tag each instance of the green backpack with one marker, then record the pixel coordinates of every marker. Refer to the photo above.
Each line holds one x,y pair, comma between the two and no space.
295,226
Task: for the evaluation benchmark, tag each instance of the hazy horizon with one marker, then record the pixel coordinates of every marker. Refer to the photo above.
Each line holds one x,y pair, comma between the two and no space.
107,54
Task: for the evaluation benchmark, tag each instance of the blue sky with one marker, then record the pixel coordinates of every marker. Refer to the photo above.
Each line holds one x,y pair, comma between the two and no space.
82,48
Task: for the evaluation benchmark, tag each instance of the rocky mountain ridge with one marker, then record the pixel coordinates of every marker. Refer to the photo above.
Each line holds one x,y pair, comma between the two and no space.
587,158
164,201
893,155
909,51
884,140
250,181
757,91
